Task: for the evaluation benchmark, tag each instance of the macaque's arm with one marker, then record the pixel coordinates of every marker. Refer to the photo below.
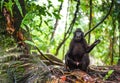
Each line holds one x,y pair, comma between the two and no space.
92,46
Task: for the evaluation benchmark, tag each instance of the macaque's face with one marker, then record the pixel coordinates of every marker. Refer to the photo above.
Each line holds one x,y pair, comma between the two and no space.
78,35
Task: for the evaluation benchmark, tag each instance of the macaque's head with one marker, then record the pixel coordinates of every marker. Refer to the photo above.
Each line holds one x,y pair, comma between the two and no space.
78,35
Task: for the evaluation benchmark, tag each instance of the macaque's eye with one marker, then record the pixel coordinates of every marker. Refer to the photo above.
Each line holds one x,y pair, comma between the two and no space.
78,35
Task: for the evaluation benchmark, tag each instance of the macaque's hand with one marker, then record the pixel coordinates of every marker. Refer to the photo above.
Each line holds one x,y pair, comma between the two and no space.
77,63
97,41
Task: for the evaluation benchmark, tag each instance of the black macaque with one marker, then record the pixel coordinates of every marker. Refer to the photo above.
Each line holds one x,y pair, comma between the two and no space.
77,56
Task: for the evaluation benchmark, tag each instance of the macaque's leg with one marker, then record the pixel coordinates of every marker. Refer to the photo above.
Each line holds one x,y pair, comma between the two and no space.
85,62
69,62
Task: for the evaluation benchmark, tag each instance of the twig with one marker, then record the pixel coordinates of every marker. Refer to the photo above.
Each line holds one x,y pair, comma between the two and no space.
90,21
56,23
112,3
40,21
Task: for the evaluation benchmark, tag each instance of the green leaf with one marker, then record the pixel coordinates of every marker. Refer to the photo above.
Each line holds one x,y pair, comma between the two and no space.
29,42
60,0
2,4
57,16
9,6
19,7
46,23
49,14
108,74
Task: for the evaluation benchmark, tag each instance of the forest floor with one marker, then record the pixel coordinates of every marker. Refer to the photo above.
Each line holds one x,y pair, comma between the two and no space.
96,74
106,74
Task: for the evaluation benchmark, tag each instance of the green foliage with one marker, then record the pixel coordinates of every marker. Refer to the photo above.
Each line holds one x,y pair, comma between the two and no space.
9,6
43,21
61,0
41,16
56,15
31,43
39,22
19,7
108,74
2,4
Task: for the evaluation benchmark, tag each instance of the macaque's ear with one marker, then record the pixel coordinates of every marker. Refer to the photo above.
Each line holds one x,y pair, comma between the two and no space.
82,34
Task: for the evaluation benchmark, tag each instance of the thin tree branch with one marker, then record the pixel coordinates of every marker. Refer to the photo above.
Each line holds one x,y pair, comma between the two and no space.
90,23
112,3
70,28
113,40
57,20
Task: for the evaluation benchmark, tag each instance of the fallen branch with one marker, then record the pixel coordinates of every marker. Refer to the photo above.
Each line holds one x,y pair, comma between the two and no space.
52,62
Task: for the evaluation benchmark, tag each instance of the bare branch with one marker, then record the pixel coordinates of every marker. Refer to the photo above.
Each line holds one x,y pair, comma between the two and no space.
56,23
70,28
